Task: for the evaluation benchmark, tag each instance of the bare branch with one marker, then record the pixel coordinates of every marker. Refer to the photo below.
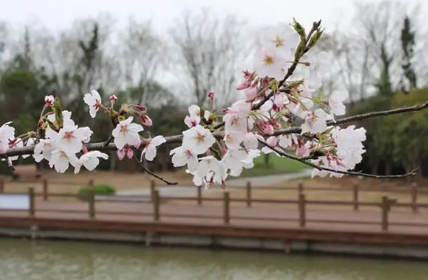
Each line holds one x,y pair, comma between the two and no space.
359,117
153,174
305,161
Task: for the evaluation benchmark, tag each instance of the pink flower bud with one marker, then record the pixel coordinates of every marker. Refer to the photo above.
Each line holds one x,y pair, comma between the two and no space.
141,107
49,100
146,120
264,128
251,93
113,99
243,85
211,95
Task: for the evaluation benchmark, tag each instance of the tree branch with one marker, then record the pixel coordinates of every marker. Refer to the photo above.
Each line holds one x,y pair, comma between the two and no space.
359,117
353,173
153,174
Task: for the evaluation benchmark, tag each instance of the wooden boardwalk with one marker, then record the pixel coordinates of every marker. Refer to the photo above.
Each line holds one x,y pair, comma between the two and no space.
352,222
260,217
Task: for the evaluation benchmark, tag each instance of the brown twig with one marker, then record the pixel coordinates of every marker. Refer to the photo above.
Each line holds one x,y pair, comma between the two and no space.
353,173
359,117
153,174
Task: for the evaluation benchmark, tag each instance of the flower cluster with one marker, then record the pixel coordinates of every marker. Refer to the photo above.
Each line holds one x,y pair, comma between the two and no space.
223,142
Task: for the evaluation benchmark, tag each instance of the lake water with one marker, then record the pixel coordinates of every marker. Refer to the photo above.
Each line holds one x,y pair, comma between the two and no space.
57,260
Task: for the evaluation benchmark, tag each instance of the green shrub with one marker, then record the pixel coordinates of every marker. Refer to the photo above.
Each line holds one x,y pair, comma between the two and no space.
98,190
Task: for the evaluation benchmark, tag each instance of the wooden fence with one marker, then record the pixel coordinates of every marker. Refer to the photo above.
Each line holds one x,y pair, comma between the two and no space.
154,203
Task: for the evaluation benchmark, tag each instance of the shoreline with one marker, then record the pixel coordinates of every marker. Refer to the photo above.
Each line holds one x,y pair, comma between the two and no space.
285,241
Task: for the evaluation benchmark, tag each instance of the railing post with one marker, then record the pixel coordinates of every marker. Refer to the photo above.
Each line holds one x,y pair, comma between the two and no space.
226,207
414,197
152,190
91,203
1,185
248,194
356,197
302,210
300,188
199,189
385,210
156,202
91,184
32,209
45,189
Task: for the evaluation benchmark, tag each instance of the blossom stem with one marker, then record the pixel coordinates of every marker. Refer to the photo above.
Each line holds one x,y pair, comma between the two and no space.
353,173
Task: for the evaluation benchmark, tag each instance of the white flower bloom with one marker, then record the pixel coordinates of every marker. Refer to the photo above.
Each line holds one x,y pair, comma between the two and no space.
93,100
90,160
212,169
192,121
248,162
150,149
6,133
272,142
70,139
86,133
126,133
251,141
236,116
268,62
233,139
198,139
43,150
336,100
233,160
315,122
182,156
61,161
283,37
320,64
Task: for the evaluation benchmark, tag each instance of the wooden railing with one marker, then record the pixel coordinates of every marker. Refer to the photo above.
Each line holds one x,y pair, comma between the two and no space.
154,203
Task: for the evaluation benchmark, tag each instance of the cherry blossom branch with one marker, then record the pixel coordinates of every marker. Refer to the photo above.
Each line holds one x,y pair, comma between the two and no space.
152,173
353,173
359,117
100,146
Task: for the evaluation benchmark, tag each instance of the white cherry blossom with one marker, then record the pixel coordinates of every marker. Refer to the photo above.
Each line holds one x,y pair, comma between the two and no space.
268,62
233,139
198,139
90,160
70,138
315,122
320,64
7,133
93,99
335,102
211,167
182,156
150,150
126,133
61,161
282,37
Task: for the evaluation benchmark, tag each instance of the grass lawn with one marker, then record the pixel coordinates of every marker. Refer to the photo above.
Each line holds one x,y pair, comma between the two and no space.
276,165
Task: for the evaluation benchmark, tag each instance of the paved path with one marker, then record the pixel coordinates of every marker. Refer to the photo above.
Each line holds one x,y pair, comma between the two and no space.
258,217
180,190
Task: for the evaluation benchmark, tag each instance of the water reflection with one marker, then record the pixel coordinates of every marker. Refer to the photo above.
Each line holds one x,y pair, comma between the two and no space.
22,260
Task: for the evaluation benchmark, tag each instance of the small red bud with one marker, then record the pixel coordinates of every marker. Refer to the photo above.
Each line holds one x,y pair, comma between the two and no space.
211,95
113,99
141,107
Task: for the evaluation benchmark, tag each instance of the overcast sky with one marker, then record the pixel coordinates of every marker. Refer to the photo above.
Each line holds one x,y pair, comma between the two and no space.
60,13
